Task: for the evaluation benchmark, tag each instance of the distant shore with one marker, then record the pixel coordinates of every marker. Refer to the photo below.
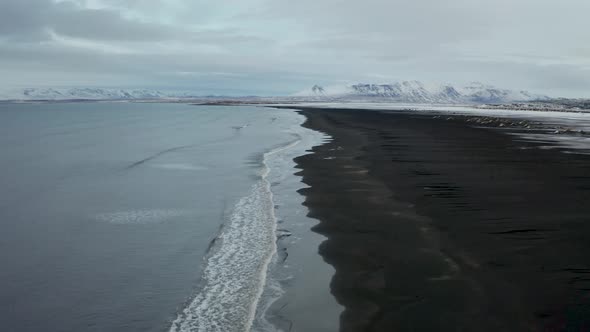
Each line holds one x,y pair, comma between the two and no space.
555,105
445,224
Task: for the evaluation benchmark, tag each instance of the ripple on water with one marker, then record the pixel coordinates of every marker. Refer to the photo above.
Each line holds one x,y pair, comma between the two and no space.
180,167
139,217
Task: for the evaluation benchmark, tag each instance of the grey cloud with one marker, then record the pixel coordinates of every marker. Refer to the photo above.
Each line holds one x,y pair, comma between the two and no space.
21,20
420,21
267,45
107,25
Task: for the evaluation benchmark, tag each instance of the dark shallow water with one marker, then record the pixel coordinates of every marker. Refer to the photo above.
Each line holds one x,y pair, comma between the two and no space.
107,210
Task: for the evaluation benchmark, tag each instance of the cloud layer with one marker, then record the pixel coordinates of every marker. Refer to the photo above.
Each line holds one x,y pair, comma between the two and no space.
279,46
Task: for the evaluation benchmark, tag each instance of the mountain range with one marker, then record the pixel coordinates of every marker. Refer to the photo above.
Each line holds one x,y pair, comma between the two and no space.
88,94
417,92
402,92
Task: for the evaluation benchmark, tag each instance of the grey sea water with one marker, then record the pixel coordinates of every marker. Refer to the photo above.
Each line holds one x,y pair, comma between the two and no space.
151,217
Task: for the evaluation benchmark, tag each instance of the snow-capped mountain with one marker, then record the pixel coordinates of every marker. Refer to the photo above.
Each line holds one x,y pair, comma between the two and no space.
417,92
402,92
88,94
480,93
317,90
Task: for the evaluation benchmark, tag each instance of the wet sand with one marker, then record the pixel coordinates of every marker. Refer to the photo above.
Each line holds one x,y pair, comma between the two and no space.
437,225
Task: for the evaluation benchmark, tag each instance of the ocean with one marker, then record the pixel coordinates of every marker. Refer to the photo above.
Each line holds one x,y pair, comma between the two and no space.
157,217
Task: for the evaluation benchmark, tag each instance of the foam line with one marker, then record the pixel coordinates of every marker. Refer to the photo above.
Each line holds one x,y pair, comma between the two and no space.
235,274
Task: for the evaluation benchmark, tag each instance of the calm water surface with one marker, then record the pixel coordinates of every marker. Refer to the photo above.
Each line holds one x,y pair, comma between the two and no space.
108,210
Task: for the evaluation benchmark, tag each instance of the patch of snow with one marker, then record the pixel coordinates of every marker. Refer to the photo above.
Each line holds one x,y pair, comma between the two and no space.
573,134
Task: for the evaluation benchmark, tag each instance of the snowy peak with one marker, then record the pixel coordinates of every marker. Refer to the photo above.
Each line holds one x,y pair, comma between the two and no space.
479,92
318,90
417,92
414,90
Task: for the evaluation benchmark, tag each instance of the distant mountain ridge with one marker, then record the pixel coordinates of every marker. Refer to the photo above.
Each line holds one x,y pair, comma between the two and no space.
417,92
402,92
89,94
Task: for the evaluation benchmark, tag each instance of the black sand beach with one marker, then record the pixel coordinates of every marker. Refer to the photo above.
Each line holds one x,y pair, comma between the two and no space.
437,225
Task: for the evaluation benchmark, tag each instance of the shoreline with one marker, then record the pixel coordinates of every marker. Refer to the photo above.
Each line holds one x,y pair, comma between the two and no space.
443,220
292,298
233,291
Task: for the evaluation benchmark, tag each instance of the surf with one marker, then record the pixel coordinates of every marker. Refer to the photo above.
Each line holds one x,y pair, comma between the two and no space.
236,271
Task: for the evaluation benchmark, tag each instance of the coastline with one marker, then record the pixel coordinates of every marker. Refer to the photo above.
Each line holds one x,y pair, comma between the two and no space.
236,289
294,299
434,223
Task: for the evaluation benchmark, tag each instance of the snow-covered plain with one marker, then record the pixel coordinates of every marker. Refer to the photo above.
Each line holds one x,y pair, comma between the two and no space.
569,131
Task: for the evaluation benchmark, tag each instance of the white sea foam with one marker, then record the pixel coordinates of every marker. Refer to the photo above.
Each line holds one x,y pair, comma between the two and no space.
137,217
288,201
235,274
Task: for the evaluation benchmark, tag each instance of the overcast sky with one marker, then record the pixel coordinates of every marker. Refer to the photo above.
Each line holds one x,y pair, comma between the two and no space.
283,46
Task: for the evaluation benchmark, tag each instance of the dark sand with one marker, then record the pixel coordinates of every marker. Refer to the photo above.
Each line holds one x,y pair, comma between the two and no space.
435,225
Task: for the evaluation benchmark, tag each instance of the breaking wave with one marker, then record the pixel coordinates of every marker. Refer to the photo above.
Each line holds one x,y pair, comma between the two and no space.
235,273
